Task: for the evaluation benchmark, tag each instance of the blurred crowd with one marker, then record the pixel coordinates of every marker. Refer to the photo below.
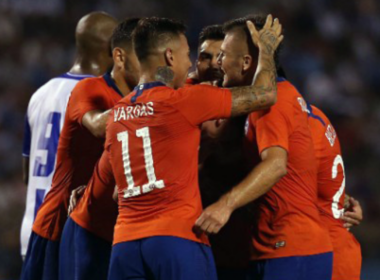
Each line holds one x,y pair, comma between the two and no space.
331,53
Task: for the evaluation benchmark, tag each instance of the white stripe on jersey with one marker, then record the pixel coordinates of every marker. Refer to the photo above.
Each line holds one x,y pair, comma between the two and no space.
45,115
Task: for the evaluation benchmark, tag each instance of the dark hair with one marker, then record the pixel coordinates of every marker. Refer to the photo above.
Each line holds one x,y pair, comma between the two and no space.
258,21
211,32
153,32
122,35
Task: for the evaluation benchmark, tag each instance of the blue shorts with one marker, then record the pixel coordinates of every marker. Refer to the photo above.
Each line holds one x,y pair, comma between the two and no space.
313,267
162,258
41,261
83,255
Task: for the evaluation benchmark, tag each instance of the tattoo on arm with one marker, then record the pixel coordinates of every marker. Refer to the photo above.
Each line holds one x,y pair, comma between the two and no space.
164,74
262,93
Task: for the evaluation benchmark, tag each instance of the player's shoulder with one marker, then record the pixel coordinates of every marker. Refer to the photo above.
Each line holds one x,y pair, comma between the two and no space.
89,86
49,87
319,121
91,82
286,90
318,112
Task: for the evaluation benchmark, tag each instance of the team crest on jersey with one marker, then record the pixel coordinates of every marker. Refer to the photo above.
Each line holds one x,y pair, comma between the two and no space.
303,105
331,135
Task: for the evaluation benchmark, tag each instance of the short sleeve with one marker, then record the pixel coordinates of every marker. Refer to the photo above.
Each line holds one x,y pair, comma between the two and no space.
88,95
273,127
200,103
27,138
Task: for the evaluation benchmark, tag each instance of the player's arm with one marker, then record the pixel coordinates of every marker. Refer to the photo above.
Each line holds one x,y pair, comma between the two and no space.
25,170
95,121
263,92
259,181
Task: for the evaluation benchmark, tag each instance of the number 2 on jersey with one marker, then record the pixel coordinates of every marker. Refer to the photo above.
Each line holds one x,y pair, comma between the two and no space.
337,213
152,184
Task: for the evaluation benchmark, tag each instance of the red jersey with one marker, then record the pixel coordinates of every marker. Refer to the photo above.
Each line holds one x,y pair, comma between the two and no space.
96,211
288,222
153,137
331,193
78,151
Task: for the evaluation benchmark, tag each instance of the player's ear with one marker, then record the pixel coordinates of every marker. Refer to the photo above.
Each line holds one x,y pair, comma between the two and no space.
247,62
169,57
118,56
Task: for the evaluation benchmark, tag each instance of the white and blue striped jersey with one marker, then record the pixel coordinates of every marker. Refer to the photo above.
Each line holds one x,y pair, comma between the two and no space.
43,124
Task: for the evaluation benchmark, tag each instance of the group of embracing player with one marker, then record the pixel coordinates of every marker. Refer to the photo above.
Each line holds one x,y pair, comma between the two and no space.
123,196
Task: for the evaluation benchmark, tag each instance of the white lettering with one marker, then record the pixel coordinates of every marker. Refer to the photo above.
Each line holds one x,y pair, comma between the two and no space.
122,114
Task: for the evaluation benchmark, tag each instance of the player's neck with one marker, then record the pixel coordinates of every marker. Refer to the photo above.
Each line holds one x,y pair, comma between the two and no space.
120,82
87,67
157,72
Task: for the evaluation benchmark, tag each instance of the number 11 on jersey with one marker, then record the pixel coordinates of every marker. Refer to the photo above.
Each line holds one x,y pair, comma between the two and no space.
152,184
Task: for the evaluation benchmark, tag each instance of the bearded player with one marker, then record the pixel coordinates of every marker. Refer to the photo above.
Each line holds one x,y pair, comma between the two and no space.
153,137
86,241
288,239
80,146
207,68
47,108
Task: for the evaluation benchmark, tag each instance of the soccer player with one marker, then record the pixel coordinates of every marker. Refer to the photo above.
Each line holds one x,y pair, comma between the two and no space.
289,240
209,43
46,112
152,138
79,148
331,193
86,241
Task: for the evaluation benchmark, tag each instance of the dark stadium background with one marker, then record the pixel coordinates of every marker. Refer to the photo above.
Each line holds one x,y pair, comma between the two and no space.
332,54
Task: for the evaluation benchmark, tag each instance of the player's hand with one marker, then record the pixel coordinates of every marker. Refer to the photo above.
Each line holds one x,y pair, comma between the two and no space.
75,195
269,37
213,218
353,215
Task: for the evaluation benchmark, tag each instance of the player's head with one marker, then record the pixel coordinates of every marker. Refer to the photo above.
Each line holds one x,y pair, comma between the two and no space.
161,46
123,53
239,55
209,43
92,34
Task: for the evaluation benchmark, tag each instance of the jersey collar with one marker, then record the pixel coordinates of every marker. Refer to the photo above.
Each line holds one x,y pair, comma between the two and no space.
110,82
72,76
312,115
141,87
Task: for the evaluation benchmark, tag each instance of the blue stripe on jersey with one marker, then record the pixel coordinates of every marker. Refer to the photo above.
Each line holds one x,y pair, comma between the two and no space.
77,77
140,88
280,79
311,114
27,138
110,82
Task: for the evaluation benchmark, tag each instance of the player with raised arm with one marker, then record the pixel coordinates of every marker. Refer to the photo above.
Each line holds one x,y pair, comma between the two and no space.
86,241
288,238
77,152
152,138
46,114
331,193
